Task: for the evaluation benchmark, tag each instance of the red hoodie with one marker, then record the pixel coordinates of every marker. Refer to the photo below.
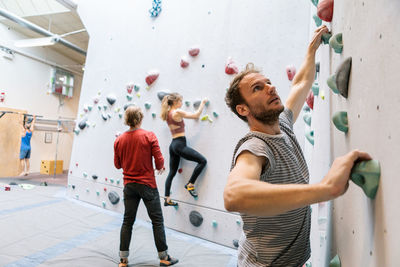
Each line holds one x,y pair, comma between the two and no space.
133,152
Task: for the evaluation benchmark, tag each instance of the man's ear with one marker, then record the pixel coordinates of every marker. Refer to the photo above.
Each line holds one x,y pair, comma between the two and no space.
242,109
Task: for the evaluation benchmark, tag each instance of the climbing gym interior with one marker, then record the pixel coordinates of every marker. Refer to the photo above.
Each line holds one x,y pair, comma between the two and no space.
71,68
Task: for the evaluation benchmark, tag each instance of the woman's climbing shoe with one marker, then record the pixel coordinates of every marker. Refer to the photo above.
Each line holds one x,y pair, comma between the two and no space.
191,190
170,203
123,263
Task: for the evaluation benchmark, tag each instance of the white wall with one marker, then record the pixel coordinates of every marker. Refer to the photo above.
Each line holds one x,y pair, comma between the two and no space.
25,82
271,34
365,232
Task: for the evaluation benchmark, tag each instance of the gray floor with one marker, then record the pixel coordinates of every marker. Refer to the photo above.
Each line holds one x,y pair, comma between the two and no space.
41,227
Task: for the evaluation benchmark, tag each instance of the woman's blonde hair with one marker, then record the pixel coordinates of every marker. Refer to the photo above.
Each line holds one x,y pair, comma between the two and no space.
133,116
167,103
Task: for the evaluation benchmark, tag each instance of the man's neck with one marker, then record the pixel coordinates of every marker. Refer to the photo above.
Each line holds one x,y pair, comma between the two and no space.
271,129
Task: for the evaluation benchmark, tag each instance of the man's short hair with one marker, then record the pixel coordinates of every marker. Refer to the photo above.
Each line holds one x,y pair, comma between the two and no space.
133,116
233,96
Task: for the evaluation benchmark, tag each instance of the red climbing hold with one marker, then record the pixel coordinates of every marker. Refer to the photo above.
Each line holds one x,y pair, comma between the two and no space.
7,188
194,51
325,10
105,189
76,164
151,77
310,99
184,62
180,170
106,179
129,88
230,67
290,71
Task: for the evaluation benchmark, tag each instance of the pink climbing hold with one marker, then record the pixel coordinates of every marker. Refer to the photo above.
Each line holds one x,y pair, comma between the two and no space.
184,62
96,100
151,77
129,88
325,10
106,179
105,189
310,99
290,71
194,51
76,164
230,67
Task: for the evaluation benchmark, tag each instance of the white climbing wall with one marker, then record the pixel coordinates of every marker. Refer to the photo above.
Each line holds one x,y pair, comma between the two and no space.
125,43
364,231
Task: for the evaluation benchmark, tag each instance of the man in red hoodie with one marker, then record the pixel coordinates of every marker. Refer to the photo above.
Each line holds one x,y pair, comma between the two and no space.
133,152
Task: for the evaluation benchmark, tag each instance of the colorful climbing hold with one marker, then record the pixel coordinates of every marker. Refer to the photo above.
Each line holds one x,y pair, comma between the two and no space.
195,218
138,95
336,42
325,37
206,118
118,181
310,136
340,121
113,197
105,107
76,131
129,97
162,94
214,223
196,104
82,124
96,100
335,262
238,222
136,87
366,174
85,174
235,243
184,62
117,134
230,67
317,20
310,99
155,9
314,2
194,51
307,118
306,109
343,76
104,204
111,180
187,103
215,114
331,82
290,71
111,99
151,77
129,88
98,193
322,94
147,105
94,176
315,88
325,10
120,115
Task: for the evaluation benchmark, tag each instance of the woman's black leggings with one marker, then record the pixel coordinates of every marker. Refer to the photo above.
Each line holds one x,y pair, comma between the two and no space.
178,149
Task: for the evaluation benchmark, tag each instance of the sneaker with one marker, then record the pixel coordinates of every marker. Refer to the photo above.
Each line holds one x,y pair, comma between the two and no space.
123,263
191,190
170,203
169,261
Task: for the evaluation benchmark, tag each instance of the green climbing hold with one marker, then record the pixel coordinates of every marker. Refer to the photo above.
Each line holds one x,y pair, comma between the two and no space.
147,105
154,115
310,136
335,262
129,97
76,131
98,193
340,121
317,20
366,174
314,2
118,181
336,43
325,37
111,180
315,88
307,118
120,115
84,174
214,223
306,108
215,114
104,204
238,222
187,103
331,81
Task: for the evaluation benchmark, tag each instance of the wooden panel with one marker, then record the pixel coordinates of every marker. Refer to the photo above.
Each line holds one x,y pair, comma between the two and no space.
10,142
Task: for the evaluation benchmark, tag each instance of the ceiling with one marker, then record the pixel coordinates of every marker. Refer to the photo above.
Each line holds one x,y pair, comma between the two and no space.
51,15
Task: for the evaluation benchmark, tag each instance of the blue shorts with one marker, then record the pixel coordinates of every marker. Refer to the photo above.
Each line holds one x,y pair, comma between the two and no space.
25,154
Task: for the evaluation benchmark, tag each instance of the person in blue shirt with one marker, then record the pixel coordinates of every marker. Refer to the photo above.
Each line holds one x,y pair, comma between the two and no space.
25,152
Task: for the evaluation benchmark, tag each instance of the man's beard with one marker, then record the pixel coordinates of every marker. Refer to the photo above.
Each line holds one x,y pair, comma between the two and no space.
268,117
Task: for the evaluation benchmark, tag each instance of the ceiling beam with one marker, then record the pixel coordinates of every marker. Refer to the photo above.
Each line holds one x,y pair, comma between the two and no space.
68,4
36,28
